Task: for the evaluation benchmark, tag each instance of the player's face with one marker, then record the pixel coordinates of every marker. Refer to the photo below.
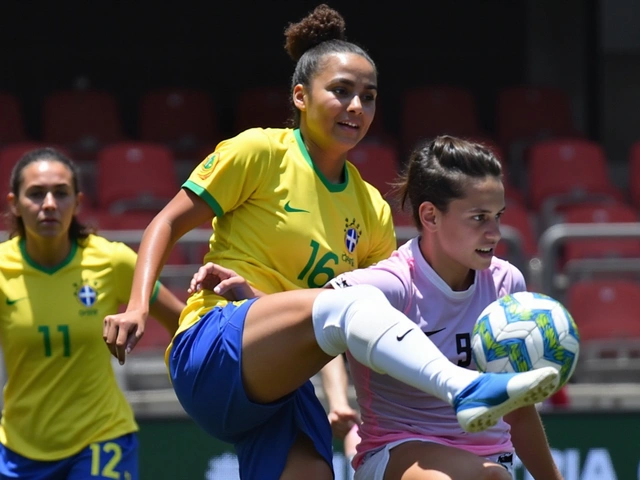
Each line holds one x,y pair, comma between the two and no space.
46,201
467,234
341,103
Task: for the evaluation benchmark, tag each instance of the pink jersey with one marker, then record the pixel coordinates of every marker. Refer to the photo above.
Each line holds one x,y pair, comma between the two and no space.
392,410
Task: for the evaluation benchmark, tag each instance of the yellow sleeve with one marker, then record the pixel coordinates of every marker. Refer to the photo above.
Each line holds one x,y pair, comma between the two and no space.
385,238
233,172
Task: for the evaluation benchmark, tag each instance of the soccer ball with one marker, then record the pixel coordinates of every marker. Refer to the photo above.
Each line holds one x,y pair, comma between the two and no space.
524,331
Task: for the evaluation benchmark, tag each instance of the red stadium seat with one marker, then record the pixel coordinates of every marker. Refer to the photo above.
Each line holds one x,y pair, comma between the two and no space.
135,175
12,128
634,174
518,217
528,113
605,308
378,132
431,110
600,248
574,168
96,218
82,120
181,118
139,220
264,106
378,164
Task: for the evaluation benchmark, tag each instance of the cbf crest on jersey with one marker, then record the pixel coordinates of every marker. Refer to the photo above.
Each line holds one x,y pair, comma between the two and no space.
87,294
206,167
352,233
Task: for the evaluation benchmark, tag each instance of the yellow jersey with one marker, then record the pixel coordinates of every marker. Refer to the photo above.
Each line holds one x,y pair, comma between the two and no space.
61,394
279,222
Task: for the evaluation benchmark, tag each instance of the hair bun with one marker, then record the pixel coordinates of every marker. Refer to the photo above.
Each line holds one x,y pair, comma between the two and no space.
322,24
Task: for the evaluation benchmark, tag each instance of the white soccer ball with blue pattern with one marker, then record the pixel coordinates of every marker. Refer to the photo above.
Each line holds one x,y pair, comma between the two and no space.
524,331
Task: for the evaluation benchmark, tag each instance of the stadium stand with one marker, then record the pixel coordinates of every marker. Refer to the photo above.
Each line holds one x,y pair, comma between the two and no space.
135,176
12,125
532,113
634,174
183,119
262,106
96,218
430,110
378,164
525,114
139,220
606,312
562,172
603,247
82,120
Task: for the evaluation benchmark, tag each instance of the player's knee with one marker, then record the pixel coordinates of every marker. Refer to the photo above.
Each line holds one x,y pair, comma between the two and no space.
495,472
334,309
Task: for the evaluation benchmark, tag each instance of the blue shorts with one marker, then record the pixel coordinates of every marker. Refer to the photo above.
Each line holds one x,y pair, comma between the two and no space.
205,369
117,458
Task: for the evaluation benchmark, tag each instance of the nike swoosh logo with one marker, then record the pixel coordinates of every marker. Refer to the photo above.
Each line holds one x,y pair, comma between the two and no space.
290,209
12,302
400,337
428,334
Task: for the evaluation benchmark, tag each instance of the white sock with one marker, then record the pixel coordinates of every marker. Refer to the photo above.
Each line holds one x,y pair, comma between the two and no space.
361,319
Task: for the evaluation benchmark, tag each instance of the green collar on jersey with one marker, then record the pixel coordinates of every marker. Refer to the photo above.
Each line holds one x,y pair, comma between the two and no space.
49,270
332,187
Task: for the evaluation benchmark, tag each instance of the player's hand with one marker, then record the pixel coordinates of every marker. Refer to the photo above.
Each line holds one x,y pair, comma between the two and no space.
223,281
123,331
342,420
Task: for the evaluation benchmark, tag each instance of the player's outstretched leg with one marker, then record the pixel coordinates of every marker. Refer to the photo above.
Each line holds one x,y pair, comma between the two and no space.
360,319
492,395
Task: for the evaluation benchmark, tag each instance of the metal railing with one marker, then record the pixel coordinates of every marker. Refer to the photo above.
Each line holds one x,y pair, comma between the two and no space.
557,235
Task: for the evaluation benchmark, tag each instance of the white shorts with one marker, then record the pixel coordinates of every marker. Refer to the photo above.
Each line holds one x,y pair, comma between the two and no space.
375,464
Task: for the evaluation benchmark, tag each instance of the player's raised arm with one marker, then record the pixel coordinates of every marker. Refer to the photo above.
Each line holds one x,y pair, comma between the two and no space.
183,213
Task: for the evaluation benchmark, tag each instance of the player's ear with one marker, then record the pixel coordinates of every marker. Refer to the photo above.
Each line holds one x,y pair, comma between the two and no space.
428,216
11,201
299,97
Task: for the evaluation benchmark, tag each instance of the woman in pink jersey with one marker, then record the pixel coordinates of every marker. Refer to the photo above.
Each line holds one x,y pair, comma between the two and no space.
442,280
410,348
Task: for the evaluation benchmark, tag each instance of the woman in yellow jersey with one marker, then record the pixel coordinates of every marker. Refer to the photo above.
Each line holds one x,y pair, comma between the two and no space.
64,415
289,212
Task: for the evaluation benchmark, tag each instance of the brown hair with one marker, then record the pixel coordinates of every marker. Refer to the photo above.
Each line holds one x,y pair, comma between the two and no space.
438,169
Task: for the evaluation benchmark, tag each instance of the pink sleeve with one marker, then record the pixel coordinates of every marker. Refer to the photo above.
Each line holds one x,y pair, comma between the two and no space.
395,288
